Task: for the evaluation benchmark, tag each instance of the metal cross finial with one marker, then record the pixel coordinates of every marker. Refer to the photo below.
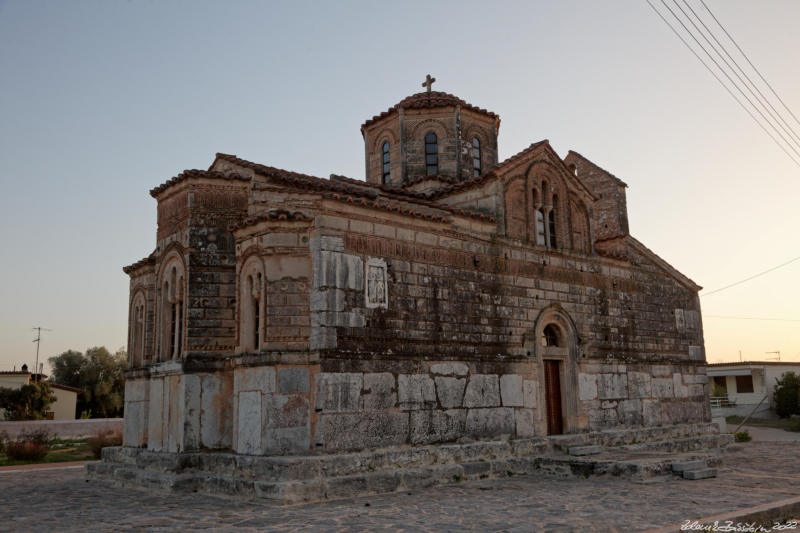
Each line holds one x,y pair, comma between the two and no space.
428,82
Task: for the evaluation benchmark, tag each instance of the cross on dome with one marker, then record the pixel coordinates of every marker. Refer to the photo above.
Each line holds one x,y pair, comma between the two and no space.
428,82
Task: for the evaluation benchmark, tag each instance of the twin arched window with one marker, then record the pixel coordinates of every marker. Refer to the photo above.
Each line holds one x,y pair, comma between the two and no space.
386,174
136,349
431,154
476,157
546,219
172,305
252,320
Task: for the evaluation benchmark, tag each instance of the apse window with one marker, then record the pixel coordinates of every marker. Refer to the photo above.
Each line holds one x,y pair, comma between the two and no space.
476,156
386,173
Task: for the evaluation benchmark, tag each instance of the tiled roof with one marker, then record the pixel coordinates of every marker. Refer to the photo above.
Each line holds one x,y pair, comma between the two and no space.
479,180
65,387
419,179
598,167
194,173
272,214
149,260
360,192
426,100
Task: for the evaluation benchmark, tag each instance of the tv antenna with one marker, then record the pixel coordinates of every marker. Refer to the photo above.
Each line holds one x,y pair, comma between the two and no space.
38,341
777,352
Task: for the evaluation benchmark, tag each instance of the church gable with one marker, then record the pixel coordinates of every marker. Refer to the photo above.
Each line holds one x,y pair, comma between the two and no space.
544,204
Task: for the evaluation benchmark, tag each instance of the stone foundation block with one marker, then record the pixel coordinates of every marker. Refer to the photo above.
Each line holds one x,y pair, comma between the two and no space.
482,391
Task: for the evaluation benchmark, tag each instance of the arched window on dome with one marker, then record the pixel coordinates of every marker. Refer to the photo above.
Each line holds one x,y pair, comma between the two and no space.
431,154
386,174
476,157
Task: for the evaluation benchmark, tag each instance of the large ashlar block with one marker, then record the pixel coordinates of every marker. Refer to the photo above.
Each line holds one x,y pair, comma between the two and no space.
415,391
663,388
379,391
450,391
511,390
529,391
492,422
525,423
612,386
134,431
338,270
639,385
681,390
155,415
291,380
254,378
216,411
355,431
429,426
249,423
587,386
450,369
339,391
483,390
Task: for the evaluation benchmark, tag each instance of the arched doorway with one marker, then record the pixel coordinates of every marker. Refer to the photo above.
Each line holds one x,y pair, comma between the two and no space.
554,344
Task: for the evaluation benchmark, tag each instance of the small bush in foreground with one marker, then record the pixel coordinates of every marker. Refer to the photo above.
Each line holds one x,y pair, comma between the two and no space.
104,439
25,451
742,436
38,436
794,425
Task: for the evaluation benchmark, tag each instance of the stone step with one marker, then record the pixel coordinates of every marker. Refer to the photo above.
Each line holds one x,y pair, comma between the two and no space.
579,451
683,466
686,444
701,473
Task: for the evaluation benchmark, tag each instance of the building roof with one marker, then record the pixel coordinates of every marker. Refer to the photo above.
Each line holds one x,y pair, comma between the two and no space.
598,167
65,387
361,193
149,260
433,99
194,173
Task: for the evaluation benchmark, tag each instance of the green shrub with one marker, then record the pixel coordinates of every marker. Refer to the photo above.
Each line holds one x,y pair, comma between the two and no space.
794,425
104,439
787,395
25,451
742,436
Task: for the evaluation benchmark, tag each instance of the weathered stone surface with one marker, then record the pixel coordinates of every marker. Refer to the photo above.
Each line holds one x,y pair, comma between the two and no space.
511,390
663,388
339,391
639,385
487,422
612,386
450,391
260,378
525,420
482,391
529,393
630,412
293,380
433,425
249,423
340,432
450,369
379,392
291,440
587,386
415,391
681,390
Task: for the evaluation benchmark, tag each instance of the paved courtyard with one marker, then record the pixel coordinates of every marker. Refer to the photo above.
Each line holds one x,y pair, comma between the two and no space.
753,473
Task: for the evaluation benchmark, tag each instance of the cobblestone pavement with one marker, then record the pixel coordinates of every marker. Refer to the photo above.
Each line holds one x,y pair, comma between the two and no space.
753,473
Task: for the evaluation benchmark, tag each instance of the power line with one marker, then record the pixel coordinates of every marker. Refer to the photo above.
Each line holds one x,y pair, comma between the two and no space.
750,62
771,125
711,71
751,277
753,318
760,96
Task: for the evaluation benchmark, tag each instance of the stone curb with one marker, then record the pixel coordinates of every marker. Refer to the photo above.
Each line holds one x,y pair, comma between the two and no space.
767,513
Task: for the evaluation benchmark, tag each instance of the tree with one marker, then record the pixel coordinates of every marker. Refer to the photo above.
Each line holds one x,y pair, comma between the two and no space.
787,395
99,374
28,402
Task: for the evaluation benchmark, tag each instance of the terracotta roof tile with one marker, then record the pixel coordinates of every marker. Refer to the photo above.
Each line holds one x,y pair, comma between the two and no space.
272,214
348,189
425,100
194,173
149,260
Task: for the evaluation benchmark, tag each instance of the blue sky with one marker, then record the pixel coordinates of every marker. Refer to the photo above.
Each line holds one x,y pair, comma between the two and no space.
101,101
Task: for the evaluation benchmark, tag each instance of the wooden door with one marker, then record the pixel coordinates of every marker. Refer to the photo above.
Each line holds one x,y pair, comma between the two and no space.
552,391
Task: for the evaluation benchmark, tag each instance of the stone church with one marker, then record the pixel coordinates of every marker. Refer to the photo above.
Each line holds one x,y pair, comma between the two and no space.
450,297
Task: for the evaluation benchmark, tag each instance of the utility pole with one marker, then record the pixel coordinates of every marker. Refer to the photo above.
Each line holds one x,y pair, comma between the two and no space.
38,341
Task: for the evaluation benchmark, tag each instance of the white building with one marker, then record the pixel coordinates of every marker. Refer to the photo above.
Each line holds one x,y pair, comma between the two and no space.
737,388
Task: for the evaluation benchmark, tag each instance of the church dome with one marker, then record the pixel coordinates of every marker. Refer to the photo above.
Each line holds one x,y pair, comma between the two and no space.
430,100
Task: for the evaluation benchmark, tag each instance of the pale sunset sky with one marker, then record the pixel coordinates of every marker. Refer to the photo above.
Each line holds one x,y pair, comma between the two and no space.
102,100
